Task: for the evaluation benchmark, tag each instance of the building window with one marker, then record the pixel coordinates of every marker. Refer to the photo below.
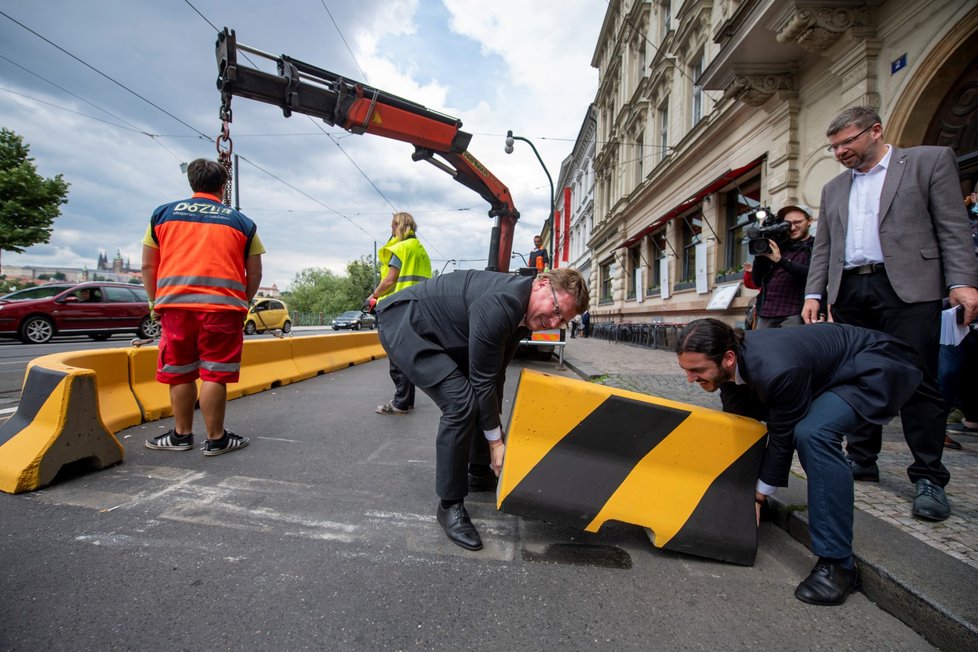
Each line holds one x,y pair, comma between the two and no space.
634,263
639,157
607,269
692,228
665,16
695,72
658,251
663,125
741,205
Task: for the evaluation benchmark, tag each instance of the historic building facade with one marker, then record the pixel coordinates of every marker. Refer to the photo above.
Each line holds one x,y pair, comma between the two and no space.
574,200
709,109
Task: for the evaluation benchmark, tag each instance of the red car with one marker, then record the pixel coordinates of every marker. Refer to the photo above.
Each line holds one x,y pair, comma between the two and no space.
95,309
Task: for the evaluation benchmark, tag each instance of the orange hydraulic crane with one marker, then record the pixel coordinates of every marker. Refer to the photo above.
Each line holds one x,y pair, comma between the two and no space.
302,88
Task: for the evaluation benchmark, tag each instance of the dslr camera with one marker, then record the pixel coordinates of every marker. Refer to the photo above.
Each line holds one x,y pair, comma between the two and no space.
767,225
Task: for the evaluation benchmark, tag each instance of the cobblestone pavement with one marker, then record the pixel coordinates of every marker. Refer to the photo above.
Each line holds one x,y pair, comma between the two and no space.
655,372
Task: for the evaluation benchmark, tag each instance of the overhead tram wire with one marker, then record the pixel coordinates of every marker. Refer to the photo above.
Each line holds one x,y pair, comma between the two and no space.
131,127
99,72
342,38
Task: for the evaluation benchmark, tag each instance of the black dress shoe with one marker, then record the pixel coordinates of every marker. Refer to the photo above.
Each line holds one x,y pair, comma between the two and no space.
866,472
458,526
828,584
930,502
482,482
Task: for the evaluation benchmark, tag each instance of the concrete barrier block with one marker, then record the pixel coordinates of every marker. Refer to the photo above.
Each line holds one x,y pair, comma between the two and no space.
265,363
116,403
581,454
57,423
319,354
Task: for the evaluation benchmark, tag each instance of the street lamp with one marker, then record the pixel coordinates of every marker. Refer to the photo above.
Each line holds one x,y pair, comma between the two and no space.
510,139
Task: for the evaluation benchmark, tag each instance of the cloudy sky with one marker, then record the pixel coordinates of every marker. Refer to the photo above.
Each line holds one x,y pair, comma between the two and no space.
80,89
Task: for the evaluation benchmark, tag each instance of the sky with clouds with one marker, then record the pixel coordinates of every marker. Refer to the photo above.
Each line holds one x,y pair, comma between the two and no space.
71,89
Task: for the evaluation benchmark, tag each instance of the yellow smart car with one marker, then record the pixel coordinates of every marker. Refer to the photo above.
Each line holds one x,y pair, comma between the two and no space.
267,315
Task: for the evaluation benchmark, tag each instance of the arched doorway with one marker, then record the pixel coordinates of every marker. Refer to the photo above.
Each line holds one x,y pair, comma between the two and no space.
955,123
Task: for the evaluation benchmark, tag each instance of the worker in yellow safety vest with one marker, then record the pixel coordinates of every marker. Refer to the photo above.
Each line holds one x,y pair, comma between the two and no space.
404,262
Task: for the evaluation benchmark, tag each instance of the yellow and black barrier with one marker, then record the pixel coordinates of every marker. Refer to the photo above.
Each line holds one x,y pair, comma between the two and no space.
57,423
581,454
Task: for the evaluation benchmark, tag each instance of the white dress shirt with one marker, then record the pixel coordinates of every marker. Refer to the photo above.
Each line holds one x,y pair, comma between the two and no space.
863,231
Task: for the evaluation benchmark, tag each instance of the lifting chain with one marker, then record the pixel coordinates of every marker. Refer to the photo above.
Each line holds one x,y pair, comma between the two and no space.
224,156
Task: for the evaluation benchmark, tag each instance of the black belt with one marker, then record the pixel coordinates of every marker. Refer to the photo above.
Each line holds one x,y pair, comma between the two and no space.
871,268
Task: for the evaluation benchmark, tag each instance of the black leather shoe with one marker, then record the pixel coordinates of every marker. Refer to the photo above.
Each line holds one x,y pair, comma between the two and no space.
828,584
931,502
482,482
458,526
867,473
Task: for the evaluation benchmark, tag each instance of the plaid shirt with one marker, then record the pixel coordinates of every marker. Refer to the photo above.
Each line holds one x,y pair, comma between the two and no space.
783,284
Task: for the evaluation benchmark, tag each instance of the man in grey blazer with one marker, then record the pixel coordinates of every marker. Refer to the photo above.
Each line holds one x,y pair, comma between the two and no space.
893,240
453,337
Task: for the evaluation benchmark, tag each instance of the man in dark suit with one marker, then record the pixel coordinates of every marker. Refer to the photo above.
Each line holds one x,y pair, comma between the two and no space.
453,336
811,386
892,241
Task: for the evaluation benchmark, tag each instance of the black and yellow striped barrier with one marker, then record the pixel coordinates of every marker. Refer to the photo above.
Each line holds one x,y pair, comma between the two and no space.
581,454
57,423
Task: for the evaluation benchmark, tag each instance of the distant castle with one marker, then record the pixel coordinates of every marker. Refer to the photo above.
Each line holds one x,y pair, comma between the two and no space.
117,267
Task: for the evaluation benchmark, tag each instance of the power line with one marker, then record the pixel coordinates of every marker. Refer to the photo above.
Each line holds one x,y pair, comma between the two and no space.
338,31
96,70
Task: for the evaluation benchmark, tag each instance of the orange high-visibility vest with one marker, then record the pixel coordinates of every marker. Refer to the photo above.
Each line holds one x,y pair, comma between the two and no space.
203,246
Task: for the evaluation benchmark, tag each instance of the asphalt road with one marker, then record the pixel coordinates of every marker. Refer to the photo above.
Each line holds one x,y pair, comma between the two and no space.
321,535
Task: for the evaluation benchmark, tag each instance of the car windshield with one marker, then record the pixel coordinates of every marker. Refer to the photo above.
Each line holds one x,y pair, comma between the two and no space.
350,314
40,292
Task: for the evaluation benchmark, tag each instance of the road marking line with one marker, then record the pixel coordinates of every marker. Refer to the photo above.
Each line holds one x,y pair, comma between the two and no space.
8,410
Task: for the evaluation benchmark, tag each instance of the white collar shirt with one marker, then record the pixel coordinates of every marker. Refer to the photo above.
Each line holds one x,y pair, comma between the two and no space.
863,232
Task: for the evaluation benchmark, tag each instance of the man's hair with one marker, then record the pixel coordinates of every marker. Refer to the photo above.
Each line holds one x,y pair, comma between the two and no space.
861,117
570,281
207,176
404,225
793,209
709,336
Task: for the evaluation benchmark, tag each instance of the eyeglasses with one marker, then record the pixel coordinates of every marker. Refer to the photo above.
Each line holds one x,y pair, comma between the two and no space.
557,311
848,141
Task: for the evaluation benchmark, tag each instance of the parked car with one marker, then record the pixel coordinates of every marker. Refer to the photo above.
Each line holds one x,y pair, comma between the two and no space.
355,320
37,292
95,309
267,315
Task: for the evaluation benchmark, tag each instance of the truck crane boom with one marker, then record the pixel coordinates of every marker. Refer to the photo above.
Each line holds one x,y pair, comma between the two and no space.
360,109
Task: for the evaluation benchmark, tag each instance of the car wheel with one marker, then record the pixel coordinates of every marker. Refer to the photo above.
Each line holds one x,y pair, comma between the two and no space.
287,326
149,328
250,328
100,337
356,326
36,330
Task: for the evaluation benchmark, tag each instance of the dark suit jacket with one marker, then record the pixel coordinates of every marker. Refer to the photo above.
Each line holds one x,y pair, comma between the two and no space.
468,320
785,369
923,228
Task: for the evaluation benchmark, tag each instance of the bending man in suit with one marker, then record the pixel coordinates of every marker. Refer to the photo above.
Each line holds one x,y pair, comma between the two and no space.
453,336
811,386
893,240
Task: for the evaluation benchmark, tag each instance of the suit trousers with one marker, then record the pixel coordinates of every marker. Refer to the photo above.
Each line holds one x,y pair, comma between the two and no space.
403,388
869,300
818,440
460,443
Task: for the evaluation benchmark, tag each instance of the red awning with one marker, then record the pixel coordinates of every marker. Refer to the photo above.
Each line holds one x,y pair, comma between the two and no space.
682,207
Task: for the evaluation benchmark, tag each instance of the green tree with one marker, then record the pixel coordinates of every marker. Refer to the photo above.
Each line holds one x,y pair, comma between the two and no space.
29,203
361,279
58,276
318,290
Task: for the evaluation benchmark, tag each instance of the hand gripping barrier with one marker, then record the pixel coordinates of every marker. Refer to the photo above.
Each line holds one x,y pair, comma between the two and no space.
57,423
581,454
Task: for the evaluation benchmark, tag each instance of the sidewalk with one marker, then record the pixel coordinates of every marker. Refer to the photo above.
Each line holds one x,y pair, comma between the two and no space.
924,573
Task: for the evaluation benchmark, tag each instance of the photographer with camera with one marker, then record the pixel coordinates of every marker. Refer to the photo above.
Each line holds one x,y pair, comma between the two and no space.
782,251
